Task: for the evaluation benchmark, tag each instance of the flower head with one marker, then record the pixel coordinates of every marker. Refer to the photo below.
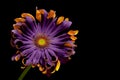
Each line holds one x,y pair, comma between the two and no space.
44,42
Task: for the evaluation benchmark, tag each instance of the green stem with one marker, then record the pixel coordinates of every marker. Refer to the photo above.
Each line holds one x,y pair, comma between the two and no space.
24,73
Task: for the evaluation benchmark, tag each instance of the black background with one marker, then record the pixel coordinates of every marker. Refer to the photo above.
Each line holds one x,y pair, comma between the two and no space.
83,64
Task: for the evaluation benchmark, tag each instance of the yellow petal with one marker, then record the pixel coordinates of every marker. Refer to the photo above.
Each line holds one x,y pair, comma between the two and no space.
57,66
53,71
22,67
51,14
23,61
73,32
24,15
60,20
19,20
73,38
33,66
69,58
38,65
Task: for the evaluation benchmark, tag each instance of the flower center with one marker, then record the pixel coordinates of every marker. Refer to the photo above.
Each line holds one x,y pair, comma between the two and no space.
41,42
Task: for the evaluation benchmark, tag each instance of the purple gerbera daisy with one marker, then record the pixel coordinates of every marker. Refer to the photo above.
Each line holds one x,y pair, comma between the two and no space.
44,42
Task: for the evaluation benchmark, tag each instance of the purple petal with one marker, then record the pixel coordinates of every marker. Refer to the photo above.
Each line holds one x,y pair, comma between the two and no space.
31,58
52,53
31,23
38,57
44,20
42,58
26,46
16,33
24,42
25,52
49,59
21,36
65,25
26,29
39,28
61,38
56,42
59,52
50,26
27,37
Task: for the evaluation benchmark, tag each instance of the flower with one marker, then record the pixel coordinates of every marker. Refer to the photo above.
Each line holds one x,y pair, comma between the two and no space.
44,42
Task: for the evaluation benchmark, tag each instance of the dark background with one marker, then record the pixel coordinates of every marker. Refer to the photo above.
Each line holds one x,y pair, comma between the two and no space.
81,67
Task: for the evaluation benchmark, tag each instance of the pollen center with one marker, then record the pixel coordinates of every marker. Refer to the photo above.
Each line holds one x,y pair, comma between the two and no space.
42,42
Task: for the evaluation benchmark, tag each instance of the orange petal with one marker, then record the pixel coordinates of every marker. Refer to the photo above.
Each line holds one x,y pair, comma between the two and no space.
23,61
73,32
41,11
38,15
38,65
45,71
41,68
17,58
60,20
73,41
73,38
24,15
51,14
16,27
66,19
17,52
19,20
67,44
19,31
11,42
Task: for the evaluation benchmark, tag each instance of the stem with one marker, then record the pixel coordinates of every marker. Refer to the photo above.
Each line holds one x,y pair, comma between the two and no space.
24,73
